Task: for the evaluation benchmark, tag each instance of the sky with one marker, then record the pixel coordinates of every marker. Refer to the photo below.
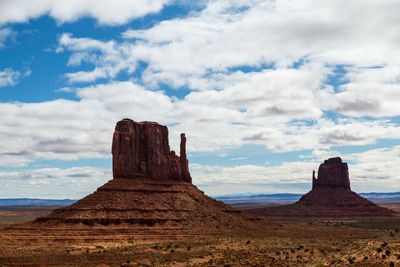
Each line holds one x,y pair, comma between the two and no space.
264,90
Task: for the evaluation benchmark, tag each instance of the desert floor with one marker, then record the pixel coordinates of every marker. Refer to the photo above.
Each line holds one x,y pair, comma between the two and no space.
288,242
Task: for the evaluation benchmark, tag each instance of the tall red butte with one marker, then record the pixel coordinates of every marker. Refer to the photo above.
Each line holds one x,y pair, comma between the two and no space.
151,191
331,196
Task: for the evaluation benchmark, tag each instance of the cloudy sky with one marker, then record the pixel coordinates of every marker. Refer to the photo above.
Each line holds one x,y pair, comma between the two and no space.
264,90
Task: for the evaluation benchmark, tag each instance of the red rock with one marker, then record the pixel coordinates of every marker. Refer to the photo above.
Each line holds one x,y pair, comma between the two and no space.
332,173
141,150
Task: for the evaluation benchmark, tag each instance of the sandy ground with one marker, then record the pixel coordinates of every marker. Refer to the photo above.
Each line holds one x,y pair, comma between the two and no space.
289,242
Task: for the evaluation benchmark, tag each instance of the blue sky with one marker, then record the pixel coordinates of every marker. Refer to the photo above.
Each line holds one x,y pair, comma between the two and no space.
265,91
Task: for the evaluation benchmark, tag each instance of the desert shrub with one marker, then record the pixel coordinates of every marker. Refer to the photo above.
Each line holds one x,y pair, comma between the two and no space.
365,257
172,250
351,260
384,244
379,250
188,248
391,264
247,242
383,256
387,252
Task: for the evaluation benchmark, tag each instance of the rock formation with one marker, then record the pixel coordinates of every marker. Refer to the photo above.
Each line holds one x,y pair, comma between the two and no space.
151,189
141,150
330,196
332,173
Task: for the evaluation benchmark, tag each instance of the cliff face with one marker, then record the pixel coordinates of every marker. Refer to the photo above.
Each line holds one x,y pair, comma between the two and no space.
141,150
332,173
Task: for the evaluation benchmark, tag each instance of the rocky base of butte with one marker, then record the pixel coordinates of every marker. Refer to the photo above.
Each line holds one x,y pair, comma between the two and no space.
330,196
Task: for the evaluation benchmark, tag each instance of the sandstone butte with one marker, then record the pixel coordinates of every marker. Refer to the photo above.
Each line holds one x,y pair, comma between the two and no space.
151,194
330,196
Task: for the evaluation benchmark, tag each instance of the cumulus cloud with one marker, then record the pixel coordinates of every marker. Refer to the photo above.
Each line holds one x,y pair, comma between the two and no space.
105,12
109,58
73,183
9,77
373,92
59,129
70,130
207,49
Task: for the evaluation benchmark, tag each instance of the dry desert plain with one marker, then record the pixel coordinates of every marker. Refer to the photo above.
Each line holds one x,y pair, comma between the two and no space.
284,242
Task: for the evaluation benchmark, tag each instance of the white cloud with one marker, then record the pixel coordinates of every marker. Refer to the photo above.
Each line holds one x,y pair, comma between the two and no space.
54,183
59,129
204,50
105,12
9,77
373,92
5,33
70,130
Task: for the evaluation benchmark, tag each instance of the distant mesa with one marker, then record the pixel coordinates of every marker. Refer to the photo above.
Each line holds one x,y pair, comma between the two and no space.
151,187
330,196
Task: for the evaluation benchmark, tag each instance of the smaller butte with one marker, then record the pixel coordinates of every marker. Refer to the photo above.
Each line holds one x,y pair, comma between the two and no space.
331,196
